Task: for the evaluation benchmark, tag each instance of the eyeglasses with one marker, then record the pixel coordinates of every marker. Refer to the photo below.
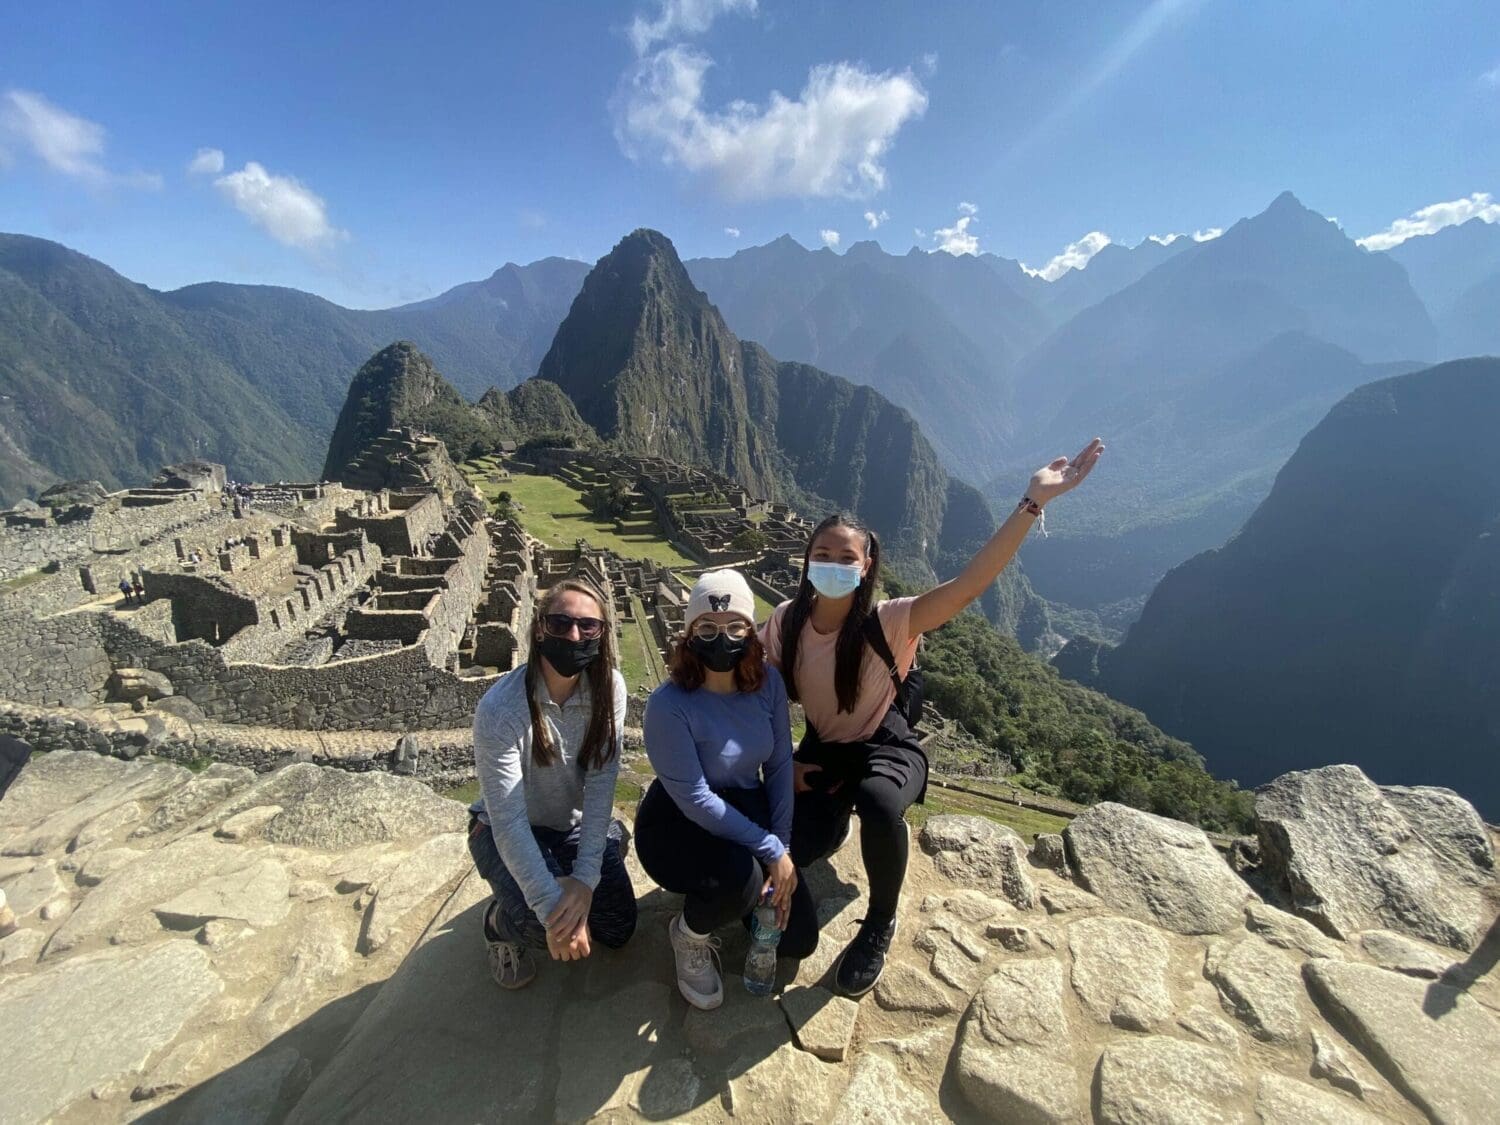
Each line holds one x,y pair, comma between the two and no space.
558,624
735,630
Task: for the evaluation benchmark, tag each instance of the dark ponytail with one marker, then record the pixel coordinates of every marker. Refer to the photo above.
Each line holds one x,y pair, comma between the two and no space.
849,653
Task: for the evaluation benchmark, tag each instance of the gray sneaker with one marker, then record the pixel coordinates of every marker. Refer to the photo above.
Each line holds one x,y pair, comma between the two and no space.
511,964
697,972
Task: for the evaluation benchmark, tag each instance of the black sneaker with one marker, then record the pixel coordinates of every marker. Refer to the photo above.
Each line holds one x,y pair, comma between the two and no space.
863,960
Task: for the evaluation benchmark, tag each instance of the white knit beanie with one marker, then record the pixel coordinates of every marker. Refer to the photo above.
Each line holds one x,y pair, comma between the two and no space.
721,591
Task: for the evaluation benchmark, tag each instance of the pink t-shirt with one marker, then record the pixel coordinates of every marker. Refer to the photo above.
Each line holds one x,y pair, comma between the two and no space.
815,662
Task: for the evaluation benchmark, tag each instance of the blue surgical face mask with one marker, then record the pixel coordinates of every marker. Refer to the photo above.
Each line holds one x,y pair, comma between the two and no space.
834,580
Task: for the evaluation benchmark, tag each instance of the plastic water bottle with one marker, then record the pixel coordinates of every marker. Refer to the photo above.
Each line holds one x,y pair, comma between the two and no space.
760,962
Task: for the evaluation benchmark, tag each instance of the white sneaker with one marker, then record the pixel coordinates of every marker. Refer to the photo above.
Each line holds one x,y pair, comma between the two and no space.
697,971
511,964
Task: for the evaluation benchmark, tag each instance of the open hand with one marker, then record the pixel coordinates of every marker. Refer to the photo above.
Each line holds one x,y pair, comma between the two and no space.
1061,475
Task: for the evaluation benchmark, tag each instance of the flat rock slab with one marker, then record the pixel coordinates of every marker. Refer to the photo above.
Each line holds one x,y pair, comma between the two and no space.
94,1020
253,1092
741,1019
146,783
332,809
321,957
1155,870
155,878
431,1043
1285,1101
1260,986
1351,860
30,891
619,1040
902,988
1431,1040
821,1022
191,800
1159,1081
1404,955
787,1085
981,854
57,781
241,826
1015,1056
1120,971
879,1094
1451,827
430,869
1287,931
257,894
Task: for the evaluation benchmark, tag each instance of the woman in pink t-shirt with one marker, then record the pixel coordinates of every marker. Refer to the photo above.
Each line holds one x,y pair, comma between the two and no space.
860,753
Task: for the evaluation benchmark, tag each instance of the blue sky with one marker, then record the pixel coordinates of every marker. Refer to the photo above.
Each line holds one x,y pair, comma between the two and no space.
381,153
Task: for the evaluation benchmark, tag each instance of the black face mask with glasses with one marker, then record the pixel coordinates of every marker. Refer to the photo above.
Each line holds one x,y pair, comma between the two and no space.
720,646
567,656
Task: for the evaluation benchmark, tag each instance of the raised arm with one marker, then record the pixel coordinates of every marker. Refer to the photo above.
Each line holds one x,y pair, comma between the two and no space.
946,600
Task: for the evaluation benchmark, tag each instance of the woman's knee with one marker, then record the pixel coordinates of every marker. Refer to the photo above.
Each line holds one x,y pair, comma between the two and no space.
879,801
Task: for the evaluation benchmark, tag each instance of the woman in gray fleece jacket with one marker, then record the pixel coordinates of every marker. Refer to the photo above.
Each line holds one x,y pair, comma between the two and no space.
547,752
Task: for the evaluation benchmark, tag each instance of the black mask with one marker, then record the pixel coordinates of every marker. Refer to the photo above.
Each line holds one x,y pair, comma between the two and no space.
568,658
720,654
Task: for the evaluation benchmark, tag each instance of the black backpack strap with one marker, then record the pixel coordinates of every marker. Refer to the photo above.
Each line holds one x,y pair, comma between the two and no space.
875,636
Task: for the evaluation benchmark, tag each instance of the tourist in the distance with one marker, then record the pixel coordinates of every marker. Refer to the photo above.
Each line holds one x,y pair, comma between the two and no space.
125,590
715,826
138,588
547,753
859,753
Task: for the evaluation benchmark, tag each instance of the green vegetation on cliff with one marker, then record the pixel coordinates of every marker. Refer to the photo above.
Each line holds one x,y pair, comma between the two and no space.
1065,739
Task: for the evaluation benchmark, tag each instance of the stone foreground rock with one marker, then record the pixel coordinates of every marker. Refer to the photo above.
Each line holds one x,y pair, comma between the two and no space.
1156,870
213,973
1351,860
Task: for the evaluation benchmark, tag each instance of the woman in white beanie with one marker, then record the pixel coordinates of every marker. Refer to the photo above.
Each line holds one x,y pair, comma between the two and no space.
716,824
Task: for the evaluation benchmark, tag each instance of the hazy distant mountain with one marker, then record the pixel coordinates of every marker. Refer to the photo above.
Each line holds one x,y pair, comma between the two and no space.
1201,375
106,378
1356,617
100,378
934,333
1104,275
1445,265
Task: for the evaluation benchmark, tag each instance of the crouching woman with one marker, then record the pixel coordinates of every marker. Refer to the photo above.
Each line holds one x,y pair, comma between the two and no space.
715,826
547,752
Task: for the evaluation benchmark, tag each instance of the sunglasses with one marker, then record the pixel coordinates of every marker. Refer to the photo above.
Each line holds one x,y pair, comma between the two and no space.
558,624
735,630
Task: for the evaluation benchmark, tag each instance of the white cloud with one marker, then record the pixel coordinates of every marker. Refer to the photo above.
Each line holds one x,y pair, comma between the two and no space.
679,19
206,162
290,212
732,232
1075,256
1163,239
831,140
1207,235
957,239
875,218
830,238
65,142
1433,218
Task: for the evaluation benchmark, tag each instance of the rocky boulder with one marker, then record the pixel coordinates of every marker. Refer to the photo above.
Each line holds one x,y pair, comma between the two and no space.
126,685
980,853
1155,870
1350,859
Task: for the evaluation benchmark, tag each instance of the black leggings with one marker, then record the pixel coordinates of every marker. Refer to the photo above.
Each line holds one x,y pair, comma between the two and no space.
879,779
720,881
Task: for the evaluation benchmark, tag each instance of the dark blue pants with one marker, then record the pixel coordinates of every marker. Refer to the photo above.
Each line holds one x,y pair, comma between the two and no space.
612,914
